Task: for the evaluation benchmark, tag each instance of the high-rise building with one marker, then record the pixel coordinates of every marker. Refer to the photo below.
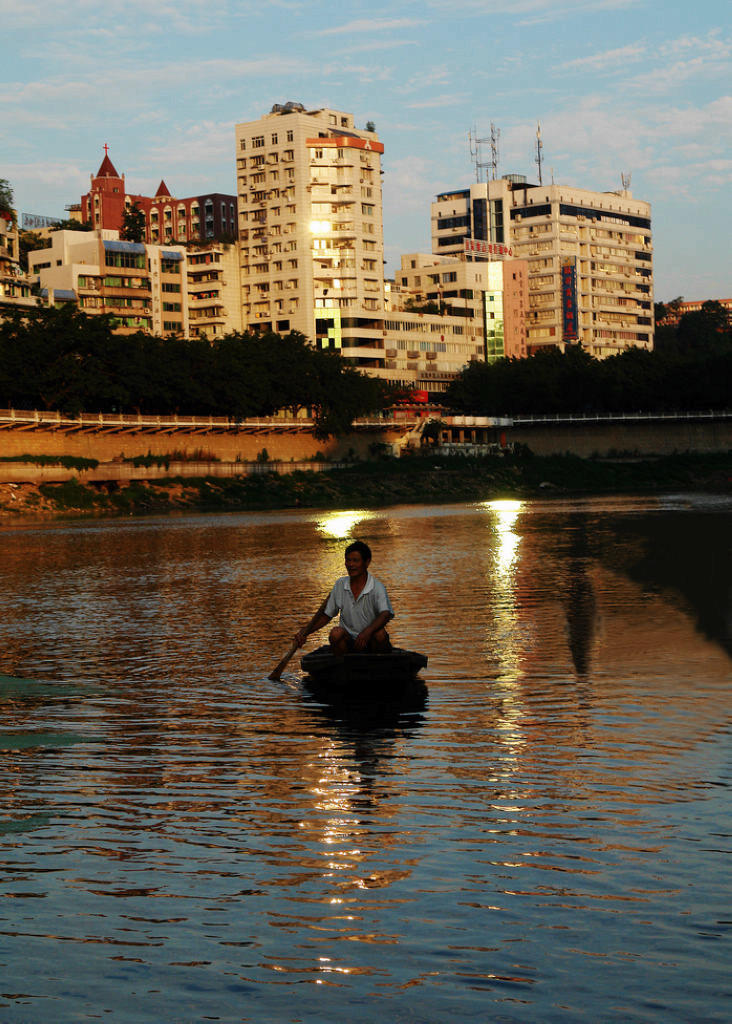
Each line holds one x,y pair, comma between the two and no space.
167,219
589,254
310,229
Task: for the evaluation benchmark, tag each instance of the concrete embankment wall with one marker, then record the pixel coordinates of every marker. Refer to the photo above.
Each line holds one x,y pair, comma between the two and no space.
229,453
222,446
664,437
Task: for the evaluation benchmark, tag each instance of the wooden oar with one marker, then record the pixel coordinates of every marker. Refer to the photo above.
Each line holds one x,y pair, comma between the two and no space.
277,671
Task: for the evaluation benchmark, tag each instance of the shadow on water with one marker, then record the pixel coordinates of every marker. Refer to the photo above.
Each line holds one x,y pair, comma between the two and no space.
370,726
686,557
580,603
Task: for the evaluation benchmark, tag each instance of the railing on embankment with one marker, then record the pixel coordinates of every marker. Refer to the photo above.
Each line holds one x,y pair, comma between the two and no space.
119,437
641,433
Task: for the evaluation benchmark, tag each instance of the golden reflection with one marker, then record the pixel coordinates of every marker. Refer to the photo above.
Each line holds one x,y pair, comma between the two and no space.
506,513
339,525
505,638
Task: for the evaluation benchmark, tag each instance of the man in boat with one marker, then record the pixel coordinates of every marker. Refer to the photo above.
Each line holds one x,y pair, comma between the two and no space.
363,604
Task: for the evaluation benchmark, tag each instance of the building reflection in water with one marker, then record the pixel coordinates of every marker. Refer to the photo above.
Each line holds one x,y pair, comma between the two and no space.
580,602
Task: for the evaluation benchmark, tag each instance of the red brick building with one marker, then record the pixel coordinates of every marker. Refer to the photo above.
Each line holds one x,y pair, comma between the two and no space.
167,219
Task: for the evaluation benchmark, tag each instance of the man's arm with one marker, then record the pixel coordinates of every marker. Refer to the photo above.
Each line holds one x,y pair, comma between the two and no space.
317,622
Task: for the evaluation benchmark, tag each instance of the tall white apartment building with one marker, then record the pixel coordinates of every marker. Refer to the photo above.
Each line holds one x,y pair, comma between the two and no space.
589,254
310,229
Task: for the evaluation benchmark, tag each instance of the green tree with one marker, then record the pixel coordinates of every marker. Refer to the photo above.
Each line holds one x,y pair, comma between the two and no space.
30,241
133,224
7,198
705,327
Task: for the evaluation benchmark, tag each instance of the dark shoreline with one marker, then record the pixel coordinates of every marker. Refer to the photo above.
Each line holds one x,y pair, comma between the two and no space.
414,480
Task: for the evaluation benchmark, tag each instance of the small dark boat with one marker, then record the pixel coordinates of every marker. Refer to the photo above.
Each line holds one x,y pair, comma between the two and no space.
363,674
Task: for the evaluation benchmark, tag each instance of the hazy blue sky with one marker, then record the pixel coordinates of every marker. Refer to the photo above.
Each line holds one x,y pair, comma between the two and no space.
641,87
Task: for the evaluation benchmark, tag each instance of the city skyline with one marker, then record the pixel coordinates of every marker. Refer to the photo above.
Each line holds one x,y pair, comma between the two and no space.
620,87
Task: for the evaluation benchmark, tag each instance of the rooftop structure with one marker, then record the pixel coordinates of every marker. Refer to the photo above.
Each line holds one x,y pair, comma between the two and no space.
167,219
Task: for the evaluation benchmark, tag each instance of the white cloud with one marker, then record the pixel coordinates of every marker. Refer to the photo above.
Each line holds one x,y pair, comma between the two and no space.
369,25
450,99
618,57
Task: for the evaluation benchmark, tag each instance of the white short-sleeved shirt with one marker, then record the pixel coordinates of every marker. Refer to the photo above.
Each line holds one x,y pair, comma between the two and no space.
358,614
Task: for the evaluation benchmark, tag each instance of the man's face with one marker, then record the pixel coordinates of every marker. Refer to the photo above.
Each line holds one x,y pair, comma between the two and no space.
356,564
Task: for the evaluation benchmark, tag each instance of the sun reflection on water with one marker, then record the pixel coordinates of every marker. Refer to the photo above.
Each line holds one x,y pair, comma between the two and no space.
340,525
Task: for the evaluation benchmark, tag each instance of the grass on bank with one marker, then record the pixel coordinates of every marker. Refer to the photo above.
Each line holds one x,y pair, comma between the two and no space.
67,461
421,479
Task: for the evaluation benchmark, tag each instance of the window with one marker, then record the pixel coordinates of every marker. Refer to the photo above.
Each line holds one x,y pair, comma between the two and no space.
290,135
367,209
243,143
274,138
124,259
258,142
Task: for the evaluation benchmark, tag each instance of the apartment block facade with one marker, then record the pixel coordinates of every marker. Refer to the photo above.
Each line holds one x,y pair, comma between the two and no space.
310,229
589,254
447,311
15,288
143,287
214,290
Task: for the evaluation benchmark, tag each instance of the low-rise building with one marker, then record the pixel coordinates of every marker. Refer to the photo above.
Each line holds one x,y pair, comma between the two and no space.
167,219
143,287
677,309
446,312
15,286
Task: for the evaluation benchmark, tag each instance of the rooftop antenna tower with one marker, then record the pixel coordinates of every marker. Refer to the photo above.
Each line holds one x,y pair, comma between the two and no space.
495,136
539,147
475,153
625,181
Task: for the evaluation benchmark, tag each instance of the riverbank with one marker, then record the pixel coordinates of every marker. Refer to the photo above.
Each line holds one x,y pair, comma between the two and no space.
372,484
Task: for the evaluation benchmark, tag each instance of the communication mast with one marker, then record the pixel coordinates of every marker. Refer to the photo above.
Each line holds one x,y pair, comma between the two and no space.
495,136
475,153
625,180
539,148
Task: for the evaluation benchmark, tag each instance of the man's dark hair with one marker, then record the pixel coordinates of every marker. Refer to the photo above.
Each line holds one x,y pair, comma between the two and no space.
363,549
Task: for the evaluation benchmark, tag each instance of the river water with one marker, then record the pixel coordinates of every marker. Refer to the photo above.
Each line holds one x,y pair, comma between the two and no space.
543,837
